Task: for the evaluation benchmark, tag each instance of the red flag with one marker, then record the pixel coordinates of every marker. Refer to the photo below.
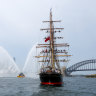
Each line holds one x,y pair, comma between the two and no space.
46,51
48,38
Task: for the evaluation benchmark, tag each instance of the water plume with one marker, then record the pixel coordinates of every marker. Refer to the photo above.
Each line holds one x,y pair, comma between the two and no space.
31,66
8,67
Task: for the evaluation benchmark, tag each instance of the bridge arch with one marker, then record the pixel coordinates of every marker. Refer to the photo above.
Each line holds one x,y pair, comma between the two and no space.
74,67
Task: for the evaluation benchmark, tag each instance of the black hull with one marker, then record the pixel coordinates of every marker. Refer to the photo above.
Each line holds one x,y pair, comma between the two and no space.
51,79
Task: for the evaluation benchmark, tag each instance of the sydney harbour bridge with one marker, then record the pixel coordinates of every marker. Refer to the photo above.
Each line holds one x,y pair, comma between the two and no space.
87,65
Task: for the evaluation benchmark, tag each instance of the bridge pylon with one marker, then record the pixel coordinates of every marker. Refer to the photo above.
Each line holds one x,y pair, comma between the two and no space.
63,69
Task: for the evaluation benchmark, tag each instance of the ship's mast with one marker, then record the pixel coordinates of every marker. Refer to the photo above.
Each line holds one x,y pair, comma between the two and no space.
51,42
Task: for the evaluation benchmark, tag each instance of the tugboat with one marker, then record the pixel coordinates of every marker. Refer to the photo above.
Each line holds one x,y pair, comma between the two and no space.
21,75
50,70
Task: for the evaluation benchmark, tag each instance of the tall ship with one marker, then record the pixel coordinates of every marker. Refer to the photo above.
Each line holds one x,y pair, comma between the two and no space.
52,55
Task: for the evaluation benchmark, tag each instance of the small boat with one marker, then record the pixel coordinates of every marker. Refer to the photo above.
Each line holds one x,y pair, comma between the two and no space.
91,76
21,75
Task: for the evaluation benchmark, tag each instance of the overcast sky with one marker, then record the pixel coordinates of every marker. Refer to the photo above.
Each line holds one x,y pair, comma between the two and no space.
21,20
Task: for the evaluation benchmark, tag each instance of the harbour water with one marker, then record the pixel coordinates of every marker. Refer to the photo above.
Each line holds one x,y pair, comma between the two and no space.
73,86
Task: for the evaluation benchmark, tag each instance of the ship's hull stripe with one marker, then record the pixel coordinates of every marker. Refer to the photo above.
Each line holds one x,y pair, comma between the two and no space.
51,83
